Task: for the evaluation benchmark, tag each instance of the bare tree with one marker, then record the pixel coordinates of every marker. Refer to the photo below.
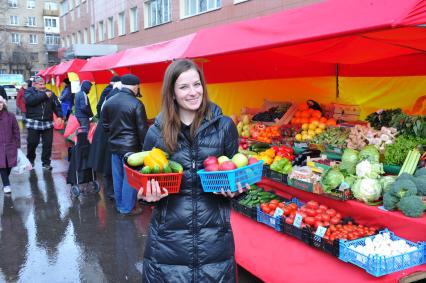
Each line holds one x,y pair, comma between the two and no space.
20,60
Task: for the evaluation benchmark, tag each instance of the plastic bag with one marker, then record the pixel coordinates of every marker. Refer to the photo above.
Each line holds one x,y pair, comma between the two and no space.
57,125
72,126
91,131
23,164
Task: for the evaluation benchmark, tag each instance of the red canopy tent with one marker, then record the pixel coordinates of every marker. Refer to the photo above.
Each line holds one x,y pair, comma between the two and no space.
70,66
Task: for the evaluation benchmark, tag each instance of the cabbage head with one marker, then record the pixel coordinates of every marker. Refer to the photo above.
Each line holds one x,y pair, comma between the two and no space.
370,153
331,179
386,181
349,160
367,189
367,169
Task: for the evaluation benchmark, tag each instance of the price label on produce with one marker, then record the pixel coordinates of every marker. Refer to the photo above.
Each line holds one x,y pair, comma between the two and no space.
343,186
320,231
298,220
278,212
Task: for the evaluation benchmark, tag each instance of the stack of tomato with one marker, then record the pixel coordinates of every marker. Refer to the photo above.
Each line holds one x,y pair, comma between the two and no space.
288,209
315,214
348,231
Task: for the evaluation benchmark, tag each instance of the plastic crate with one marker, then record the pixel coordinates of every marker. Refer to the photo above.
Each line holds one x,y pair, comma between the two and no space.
214,181
250,212
273,175
380,265
391,169
290,229
330,247
337,194
301,185
264,218
170,181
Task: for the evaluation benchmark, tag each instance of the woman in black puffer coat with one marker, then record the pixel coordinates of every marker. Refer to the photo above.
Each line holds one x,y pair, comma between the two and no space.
190,236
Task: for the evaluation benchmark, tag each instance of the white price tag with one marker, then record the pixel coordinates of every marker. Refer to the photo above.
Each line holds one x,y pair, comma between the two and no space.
321,231
278,212
298,220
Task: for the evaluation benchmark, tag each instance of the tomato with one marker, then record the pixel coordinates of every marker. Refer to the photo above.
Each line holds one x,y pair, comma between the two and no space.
312,204
303,215
318,223
333,228
289,220
273,206
323,207
272,213
338,215
318,217
287,211
326,223
266,209
331,212
309,220
310,212
319,211
263,205
275,201
325,217
293,206
281,205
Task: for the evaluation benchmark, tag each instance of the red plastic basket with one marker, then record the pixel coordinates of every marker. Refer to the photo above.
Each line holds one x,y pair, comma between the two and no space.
170,181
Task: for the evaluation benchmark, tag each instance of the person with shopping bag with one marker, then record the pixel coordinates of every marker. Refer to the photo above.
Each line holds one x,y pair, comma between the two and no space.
10,141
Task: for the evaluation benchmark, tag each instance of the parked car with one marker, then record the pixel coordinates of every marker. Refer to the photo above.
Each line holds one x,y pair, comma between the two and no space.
11,91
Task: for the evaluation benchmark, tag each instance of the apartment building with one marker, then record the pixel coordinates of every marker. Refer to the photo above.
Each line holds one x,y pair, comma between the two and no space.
29,35
130,23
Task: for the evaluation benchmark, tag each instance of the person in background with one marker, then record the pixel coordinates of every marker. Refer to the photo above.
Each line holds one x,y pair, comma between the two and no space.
67,99
100,154
125,122
190,237
20,100
105,92
83,111
40,105
3,93
10,141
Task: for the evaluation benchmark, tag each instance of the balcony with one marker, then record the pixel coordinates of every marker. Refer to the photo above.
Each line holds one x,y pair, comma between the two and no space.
52,47
52,13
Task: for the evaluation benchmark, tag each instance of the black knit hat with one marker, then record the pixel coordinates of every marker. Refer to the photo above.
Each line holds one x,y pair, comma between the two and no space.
115,79
130,79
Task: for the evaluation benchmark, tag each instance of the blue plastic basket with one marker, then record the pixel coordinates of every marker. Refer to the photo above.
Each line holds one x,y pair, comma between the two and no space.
265,218
214,181
380,265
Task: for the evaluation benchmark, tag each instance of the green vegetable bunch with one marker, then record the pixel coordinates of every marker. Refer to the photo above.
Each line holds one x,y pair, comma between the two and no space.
396,153
334,136
406,194
382,118
282,166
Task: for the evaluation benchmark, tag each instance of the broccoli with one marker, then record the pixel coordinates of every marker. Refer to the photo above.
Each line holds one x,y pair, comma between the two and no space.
405,176
420,183
420,172
403,188
412,206
390,201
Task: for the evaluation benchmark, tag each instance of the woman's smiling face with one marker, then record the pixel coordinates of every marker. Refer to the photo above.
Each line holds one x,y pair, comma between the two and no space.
189,90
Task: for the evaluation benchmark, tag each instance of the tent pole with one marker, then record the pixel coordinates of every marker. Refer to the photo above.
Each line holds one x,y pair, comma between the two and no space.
337,80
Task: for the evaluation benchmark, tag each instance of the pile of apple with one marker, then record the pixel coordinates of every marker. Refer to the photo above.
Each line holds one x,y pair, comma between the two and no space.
223,163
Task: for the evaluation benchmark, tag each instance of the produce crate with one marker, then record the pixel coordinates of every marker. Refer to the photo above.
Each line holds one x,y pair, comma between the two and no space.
290,229
301,185
338,195
214,181
330,247
250,212
170,181
264,218
274,175
391,169
380,265
266,172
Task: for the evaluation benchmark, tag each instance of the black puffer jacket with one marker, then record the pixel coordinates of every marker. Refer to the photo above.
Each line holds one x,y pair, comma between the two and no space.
124,119
190,236
39,106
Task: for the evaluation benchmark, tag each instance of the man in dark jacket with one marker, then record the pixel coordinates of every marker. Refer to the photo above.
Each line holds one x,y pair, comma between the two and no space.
124,119
66,98
40,104
83,111
105,92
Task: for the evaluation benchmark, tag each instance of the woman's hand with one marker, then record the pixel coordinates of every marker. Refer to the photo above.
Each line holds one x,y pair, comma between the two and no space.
153,192
230,194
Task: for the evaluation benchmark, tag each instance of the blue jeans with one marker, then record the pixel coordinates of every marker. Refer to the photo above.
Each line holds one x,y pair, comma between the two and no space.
125,196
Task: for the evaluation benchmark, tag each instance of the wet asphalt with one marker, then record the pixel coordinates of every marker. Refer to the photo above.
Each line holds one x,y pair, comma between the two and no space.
46,235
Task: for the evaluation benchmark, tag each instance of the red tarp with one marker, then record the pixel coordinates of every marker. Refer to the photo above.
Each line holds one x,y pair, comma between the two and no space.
102,63
70,66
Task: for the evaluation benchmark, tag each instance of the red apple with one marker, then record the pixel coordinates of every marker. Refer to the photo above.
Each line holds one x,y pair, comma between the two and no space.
212,167
227,165
252,160
211,160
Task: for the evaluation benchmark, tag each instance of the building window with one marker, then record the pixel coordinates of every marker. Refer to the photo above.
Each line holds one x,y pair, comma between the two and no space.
69,41
195,7
13,20
121,24
110,27
52,6
31,21
85,36
64,7
12,3
34,56
79,37
134,21
52,39
50,22
16,38
71,6
157,12
92,34
30,4
73,38
101,31
33,39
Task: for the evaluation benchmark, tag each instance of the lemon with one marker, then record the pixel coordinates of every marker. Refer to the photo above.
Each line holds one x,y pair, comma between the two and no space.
312,127
305,137
304,133
305,126
298,137
311,133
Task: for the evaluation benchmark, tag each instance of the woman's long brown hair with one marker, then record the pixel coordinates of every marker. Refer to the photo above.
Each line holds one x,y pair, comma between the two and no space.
171,123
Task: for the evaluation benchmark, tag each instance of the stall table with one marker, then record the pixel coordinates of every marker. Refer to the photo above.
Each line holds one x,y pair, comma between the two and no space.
275,257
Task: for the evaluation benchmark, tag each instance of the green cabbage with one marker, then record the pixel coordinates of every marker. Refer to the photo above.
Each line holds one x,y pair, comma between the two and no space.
349,160
367,189
370,153
386,181
331,179
367,169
